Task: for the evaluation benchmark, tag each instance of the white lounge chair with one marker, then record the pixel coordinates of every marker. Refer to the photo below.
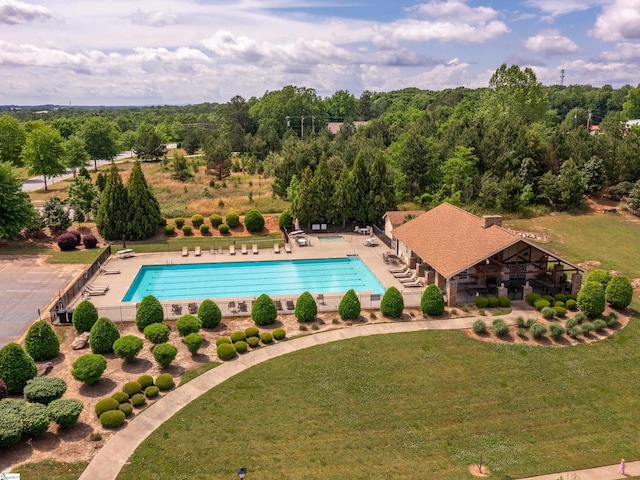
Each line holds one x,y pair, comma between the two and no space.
198,251
254,248
406,274
404,269
107,271
185,251
413,278
370,242
244,249
232,249
287,248
417,283
276,247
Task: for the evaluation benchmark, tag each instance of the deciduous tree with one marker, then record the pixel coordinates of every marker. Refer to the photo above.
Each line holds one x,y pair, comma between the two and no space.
16,211
43,152
12,139
101,139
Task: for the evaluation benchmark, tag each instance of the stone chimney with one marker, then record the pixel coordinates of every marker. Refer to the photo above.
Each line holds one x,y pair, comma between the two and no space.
488,220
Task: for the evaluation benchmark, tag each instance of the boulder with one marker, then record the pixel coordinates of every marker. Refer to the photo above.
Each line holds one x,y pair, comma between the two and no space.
44,368
80,341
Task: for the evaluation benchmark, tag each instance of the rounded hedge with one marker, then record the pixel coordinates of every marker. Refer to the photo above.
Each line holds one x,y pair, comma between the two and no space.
120,397
479,327
193,341
264,311
164,381
601,276
306,308
187,324
112,418
179,222
89,241
237,336
432,301
504,301
541,303
44,390
285,219
226,351
532,297
266,337
67,241
252,332
65,411
89,368
157,333
241,346
145,381
591,299
571,304
105,405
138,400
164,354
16,367
197,220
41,342
152,391
131,388
215,220
84,316
392,304
481,302
254,221
103,335
127,347
4,393
619,292
36,420
209,314
222,340
232,219
149,311
560,311
223,228
349,307
556,331
204,229
560,297
10,427
186,229
279,334
126,408
169,229
76,234
253,341
493,302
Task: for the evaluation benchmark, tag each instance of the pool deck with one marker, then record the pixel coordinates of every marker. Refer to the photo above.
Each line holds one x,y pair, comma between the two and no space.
110,304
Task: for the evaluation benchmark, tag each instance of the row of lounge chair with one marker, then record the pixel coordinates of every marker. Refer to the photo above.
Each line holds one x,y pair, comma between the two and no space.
91,290
407,277
107,271
232,251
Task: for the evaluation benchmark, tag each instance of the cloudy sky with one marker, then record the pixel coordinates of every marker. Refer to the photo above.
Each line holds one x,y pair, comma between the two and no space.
117,52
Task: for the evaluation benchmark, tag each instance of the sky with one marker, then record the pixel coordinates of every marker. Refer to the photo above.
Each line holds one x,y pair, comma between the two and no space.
173,52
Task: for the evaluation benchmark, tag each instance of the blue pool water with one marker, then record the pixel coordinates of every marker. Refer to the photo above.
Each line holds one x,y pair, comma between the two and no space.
250,279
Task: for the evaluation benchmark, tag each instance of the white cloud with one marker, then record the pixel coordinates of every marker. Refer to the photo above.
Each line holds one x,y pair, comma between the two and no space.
624,52
14,12
619,21
550,43
455,10
556,8
154,19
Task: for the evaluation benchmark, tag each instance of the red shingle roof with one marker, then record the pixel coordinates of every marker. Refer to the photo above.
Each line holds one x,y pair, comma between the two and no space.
397,217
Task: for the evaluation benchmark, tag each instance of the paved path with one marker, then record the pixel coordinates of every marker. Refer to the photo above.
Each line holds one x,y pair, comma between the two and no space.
608,472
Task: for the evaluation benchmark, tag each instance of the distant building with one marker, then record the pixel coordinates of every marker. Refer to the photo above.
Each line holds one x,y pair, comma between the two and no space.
633,123
334,127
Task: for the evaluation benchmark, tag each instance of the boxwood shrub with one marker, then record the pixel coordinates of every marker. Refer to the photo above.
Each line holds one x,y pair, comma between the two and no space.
601,276
264,311
222,340
254,221
548,312
204,229
538,331
541,303
65,411
252,332
349,307
306,308
187,324
591,299
151,391
41,342
169,229
10,427
560,297
149,311
193,341
179,222
237,336
105,405
215,220
67,241
279,334
89,368
126,408
120,397
44,389
131,388
145,381
481,302
128,347
479,327
164,354
560,311
226,351
223,228
186,229
103,335
16,367
138,400
209,314
571,296
232,219
84,316
571,304
197,220
253,341
432,301
532,297
556,331
36,420
241,346
266,337
504,302
500,328
157,333
557,304
89,241
392,304
493,302
619,292
164,381
112,419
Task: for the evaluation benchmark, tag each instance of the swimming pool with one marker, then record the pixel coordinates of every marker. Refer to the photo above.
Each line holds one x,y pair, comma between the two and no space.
250,279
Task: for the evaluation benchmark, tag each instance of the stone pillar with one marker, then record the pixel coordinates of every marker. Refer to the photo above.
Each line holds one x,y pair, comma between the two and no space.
430,277
420,269
526,290
452,293
441,281
576,283
556,275
502,290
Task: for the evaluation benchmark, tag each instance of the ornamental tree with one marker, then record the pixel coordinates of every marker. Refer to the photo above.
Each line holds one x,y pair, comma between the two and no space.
16,367
150,311
349,307
392,303
264,311
306,308
103,335
41,342
209,314
84,316
591,299
619,292
432,301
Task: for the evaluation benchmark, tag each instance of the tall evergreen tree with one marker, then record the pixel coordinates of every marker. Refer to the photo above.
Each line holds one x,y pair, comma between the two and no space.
344,200
322,192
382,195
303,206
113,218
144,209
361,187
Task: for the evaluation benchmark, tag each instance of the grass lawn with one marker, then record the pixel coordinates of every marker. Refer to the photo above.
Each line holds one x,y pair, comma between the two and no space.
51,470
354,410
171,244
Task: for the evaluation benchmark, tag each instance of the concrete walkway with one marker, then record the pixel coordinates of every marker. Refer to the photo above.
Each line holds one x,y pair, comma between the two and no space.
609,472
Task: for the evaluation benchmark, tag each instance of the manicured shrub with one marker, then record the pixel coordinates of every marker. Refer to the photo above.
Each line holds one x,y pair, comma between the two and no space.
591,299
145,381
493,302
560,311
120,397
103,335
500,328
548,313
112,419
237,336
479,327
84,316
504,301
549,298
204,229
285,220
44,389
126,408
209,314
264,311
571,304
252,332
16,367
226,351
279,334
349,307
187,324
266,337
223,228
41,342
557,304
10,426
619,292
599,325
169,229
164,381
186,229
556,331
574,332
611,319
4,393
392,304
149,311
65,411
35,421
432,301
541,303
538,331
138,400
571,296
306,308
215,220
89,368
241,346
222,340
232,219
90,241
152,391
127,347
481,302
179,222
67,242
560,297
157,333
532,297
580,317
131,388
105,405
164,354
254,221
571,323
197,220
77,235
253,341
193,341
601,276
587,328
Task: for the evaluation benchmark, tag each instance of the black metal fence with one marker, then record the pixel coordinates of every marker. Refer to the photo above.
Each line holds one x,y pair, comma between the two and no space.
381,235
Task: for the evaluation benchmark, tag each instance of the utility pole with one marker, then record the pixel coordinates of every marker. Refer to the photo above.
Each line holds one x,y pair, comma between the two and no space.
588,118
562,77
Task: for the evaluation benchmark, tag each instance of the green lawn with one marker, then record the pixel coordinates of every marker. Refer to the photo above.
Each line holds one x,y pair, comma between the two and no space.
353,410
51,470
